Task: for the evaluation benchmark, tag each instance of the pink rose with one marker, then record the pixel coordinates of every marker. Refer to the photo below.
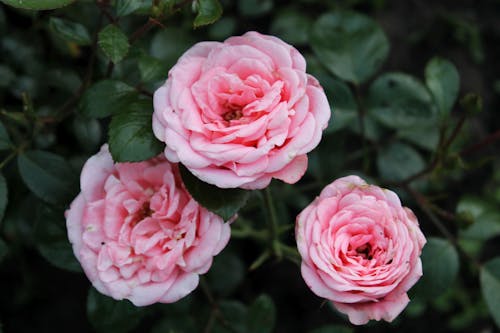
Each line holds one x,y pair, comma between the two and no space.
137,232
360,249
241,112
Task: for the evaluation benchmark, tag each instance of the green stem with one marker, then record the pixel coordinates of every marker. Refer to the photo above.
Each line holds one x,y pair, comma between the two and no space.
273,224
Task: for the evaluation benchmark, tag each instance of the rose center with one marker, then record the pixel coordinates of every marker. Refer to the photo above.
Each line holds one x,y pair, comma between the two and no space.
365,251
233,112
142,213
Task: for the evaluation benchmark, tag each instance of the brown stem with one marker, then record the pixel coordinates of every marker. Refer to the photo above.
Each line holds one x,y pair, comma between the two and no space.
143,29
481,144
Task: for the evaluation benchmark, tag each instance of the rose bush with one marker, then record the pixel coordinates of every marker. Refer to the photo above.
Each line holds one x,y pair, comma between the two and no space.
241,112
137,232
360,249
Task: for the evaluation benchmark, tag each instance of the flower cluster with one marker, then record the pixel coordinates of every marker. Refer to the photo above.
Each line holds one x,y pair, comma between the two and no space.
238,114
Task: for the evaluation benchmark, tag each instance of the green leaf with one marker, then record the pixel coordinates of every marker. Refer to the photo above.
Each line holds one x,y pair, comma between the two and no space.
49,176
114,43
440,265
209,11
106,97
88,132
223,202
399,161
255,8
351,45
442,79
423,137
344,108
483,216
70,31
131,137
107,315
151,68
51,239
169,44
5,142
125,7
4,198
292,26
262,315
401,101
490,286
235,314
223,28
485,227
37,4
226,273
333,329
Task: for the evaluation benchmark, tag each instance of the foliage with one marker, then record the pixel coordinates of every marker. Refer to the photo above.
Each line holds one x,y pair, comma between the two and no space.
413,110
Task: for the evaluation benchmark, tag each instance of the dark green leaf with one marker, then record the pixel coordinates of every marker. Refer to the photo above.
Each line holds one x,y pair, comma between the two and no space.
473,206
262,315
223,202
351,45
332,329
169,44
235,314
88,132
48,176
151,68
64,79
114,43
490,286
401,101
423,137
486,226
38,4
70,31
399,161
209,11
52,239
125,7
226,273
292,26
483,216
107,97
107,315
131,137
254,8
4,198
344,108
5,142
440,265
442,79
223,28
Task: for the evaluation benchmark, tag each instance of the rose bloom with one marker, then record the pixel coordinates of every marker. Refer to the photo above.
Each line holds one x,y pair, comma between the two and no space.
360,249
137,232
241,112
